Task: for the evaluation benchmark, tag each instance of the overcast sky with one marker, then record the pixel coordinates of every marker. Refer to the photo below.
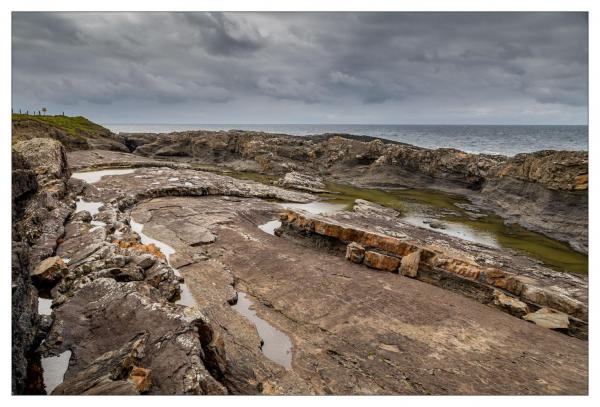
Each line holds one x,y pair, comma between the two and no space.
372,68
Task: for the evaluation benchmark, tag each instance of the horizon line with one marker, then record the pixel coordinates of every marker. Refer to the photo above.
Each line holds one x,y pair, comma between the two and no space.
346,124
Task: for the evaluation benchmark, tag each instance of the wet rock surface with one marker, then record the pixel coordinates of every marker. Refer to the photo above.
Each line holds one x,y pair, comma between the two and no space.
114,306
343,318
41,202
556,181
441,257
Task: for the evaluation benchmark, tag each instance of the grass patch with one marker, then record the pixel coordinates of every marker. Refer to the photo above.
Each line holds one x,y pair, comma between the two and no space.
77,126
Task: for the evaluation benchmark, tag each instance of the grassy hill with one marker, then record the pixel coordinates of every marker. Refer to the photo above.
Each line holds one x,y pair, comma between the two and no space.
75,132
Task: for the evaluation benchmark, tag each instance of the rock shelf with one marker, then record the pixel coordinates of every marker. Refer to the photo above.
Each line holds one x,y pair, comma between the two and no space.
509,291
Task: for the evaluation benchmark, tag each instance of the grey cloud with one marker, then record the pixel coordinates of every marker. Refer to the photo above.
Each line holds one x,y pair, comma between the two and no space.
320,64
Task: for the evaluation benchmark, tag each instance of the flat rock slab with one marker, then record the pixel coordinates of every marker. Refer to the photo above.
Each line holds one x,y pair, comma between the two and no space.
154,182
362,331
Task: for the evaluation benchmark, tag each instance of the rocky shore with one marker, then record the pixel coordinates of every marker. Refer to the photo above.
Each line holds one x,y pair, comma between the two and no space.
164,278
544,191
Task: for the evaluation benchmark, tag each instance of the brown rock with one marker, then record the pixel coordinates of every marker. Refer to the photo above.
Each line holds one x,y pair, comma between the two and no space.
510,304
302,182
107,373
381,261
147,248
141,379
49,271
556,300
409,266
355,253
548,318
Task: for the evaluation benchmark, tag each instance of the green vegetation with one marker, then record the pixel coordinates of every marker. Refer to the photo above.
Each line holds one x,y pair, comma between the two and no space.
512,236
243,175
552,253
75,126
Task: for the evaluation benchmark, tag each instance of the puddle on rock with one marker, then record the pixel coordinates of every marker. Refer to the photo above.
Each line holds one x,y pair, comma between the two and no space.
92,177
44,306
55,368
186,297
452,229
92,207
277,346
270,226
458,219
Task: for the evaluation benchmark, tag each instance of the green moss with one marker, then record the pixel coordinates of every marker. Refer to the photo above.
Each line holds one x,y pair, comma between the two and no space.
76,126
555,254
552,253
243,175
346,194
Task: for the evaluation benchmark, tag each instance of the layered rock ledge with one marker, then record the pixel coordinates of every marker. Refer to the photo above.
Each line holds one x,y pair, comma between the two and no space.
372,236
545,191
116,319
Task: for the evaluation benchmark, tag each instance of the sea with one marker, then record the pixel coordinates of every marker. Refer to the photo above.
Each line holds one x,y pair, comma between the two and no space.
489,139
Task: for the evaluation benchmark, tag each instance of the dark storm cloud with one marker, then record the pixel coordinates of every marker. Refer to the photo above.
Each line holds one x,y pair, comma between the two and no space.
328,66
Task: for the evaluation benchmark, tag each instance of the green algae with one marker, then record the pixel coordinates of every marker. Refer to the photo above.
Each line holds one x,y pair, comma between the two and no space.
243,175
442,206
552,253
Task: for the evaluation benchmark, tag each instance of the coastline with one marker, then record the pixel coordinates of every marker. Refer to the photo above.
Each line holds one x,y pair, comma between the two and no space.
211,222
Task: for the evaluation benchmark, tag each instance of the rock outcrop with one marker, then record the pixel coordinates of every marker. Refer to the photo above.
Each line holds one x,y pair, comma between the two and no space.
515,291
544,191
302,182
116,310
40,205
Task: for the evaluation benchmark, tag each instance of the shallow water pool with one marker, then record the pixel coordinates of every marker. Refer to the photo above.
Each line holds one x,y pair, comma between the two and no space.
277,346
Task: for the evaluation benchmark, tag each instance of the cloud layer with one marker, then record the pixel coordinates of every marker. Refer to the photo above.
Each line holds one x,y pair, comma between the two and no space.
304,67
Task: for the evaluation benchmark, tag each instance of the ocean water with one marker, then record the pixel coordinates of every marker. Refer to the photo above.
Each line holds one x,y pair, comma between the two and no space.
506,140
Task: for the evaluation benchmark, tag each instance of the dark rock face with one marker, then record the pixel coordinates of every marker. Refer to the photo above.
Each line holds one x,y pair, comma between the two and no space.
38,211
175,349
24,296
544,191
110,373
24,316
42,218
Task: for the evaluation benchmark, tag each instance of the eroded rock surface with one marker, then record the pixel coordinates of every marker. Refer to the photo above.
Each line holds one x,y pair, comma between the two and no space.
41,202
544,191
302,182
444,261
355,330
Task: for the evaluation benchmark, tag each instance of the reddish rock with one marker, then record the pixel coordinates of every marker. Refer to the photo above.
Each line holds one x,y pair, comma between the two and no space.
355,253
381,261
49,271
141,379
